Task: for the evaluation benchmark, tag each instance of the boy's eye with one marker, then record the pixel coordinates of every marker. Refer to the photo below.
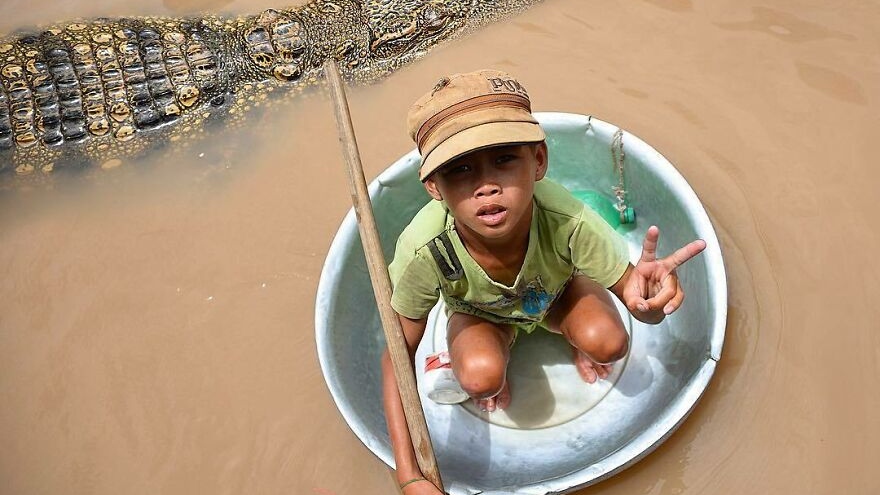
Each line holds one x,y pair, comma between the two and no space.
505,158
457,169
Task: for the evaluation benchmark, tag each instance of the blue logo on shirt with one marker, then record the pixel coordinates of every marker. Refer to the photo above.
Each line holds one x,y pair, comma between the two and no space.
535,300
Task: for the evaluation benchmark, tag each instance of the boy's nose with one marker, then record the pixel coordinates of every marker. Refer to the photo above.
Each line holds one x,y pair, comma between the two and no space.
487,189
485,179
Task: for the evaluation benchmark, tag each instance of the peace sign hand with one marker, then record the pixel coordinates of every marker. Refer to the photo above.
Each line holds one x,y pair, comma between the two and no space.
652,285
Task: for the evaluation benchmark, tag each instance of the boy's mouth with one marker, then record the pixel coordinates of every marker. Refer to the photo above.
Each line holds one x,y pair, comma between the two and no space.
492,215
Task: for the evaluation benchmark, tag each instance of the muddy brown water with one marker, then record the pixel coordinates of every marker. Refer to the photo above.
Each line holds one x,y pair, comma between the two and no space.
156,329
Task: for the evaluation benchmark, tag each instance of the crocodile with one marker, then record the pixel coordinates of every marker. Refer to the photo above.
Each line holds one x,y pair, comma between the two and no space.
101,91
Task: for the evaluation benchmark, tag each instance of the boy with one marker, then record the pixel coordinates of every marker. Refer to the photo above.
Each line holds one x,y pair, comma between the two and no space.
508,250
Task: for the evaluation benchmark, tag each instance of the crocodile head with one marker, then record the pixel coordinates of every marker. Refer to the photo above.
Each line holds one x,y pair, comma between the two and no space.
401,27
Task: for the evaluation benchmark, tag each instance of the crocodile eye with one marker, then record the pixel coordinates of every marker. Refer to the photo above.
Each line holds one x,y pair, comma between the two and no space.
432,21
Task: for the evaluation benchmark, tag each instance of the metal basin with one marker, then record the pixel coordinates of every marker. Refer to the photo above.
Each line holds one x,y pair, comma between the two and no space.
559,433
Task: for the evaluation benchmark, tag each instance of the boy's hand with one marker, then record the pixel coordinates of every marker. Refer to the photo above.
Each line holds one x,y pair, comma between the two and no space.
652,285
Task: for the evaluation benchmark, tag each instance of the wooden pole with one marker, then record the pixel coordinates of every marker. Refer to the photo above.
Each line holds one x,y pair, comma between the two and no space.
397,349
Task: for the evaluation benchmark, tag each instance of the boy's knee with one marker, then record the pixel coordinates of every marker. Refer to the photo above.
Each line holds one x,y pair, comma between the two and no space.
480,377
614,348
604,344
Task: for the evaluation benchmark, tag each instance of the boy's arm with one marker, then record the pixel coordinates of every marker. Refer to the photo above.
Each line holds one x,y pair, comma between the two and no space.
401,443
650,289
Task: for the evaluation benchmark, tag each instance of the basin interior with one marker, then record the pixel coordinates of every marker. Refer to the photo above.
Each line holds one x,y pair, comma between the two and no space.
533,451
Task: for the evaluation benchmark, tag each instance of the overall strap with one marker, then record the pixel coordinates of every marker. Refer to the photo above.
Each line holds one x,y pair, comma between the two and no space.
451,267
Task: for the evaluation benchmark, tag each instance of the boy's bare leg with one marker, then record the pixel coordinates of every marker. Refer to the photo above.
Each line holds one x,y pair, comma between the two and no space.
479,351
586,316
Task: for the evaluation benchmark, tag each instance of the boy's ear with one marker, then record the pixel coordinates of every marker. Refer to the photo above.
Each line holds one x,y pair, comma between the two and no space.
431,187
541,156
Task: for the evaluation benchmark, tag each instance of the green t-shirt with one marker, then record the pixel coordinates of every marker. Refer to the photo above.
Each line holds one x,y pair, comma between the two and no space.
565,238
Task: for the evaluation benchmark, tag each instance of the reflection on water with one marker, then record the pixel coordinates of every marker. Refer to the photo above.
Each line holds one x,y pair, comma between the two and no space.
156,329
832,83
787,26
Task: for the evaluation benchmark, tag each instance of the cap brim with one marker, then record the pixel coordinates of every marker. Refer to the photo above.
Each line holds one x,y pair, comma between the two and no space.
479,137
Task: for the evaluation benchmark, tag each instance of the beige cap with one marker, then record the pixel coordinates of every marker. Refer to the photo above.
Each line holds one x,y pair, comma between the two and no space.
467,112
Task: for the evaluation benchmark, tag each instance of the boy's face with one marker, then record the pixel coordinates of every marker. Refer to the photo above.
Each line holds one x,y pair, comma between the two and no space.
489,191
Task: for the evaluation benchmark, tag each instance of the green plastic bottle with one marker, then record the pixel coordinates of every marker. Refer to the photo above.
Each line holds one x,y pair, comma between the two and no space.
605,207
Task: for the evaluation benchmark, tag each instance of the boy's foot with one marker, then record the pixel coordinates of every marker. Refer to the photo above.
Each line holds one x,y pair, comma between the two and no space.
590,370
500,401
